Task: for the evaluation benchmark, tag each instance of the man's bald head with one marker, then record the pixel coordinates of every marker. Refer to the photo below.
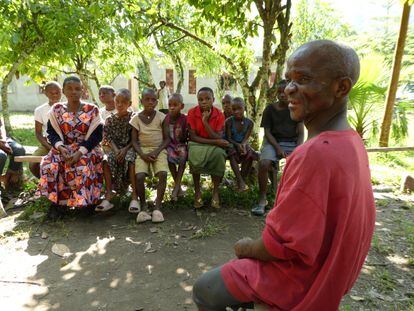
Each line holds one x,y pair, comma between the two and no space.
337,59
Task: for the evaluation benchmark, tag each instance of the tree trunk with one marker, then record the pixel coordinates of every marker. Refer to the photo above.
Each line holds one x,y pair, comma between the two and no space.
85,82
392,88
4,95
178,64
150,80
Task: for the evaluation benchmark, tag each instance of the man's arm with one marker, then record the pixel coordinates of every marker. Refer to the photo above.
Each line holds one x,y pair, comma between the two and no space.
255,249
39,135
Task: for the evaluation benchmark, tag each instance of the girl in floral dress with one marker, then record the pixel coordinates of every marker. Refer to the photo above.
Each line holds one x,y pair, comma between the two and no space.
120,160
71,173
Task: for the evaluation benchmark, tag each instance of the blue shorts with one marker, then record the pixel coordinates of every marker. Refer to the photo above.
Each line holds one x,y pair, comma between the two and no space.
268,152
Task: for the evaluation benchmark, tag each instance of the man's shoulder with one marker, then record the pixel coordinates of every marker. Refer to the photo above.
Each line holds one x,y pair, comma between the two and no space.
43,107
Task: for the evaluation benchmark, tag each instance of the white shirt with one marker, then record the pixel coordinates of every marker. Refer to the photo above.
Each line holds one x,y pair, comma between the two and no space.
106,113
163,98
41,116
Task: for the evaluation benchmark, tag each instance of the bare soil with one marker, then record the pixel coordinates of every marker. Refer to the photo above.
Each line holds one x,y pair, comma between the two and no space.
116,264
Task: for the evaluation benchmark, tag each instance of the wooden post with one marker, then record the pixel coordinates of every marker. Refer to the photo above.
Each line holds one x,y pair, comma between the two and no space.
396,68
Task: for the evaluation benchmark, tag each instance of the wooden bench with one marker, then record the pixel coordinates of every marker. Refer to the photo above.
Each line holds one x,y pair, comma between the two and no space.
29,157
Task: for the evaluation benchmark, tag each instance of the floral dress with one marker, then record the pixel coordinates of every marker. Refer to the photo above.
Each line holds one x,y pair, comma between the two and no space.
177,150
118,130
80,184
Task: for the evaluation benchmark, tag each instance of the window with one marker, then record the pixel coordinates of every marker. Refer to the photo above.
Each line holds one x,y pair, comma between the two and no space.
192,82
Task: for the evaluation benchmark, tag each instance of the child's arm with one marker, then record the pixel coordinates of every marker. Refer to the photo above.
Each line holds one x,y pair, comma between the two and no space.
211,133
274,143
165,140
39,135
248,133
229,137
209,141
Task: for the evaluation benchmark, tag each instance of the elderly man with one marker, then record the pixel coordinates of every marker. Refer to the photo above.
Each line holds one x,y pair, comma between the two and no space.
317,237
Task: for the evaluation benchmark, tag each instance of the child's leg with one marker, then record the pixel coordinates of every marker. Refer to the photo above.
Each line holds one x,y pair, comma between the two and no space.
108,180
264,166
246,167
235,167
162,184
178,178
274,172
216,184
173,170
140,186
131,171
197,187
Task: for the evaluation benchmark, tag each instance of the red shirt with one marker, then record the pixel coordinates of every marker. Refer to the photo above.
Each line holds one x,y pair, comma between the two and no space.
320,229
194,119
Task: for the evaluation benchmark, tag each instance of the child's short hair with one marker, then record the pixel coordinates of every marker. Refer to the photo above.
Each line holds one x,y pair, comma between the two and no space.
148,91
206,89
52,84
71,79
238,101
125,93
109,88
178,96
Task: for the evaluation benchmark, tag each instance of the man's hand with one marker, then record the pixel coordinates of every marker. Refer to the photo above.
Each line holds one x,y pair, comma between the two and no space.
243,248
5,147
243,149
222,143
64,152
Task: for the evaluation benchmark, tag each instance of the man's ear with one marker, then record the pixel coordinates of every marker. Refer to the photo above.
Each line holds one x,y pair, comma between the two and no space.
344,87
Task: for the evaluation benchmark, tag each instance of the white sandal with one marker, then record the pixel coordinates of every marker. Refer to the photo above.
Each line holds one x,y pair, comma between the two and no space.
134,207
143,217
104,206
157,216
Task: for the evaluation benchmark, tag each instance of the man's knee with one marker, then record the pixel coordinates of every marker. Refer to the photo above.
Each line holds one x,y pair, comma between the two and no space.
19,151
3,156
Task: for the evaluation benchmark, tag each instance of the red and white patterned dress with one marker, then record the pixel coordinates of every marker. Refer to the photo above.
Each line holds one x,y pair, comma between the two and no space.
80,184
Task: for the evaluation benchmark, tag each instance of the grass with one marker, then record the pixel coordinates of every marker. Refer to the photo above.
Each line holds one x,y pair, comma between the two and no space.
209,227
23,128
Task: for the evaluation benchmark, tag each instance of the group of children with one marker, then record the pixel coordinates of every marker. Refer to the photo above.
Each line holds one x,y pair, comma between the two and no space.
138,145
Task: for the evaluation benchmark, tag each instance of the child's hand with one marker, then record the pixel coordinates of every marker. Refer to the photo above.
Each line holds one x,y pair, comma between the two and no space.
74,158
5,147
64,152
280,153
222,143
206,115
243,149
121,154
148,158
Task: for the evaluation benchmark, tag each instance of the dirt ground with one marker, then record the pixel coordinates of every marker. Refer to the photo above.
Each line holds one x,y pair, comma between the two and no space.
115,264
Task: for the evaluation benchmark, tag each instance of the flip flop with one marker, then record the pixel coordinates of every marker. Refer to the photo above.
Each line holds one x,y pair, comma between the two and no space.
157,216
143,217
215,204
198,203
104,206
258,210
134,207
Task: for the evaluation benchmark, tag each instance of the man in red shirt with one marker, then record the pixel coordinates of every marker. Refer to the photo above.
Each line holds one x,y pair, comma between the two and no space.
317,237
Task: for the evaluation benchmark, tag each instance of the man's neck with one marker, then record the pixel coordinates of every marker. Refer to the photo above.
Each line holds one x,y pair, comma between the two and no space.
330,120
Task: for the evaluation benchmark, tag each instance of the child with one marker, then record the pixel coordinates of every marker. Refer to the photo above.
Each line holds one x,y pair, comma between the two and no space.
238,130
121,157
53,92
282,135
150,138
226,105
163,95
107,97
177,150
206,154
